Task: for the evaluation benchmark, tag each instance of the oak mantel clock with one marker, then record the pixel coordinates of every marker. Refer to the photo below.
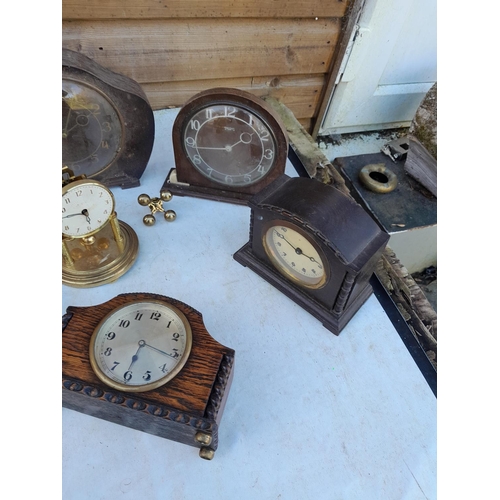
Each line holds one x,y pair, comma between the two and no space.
228,145
147,361
107,123
314,244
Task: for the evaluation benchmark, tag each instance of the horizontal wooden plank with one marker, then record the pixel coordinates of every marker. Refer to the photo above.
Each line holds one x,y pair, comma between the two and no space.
156,9
306,124
299,93
180,50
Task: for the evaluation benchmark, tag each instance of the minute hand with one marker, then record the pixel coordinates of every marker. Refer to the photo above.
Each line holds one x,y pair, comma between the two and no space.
298,250
160,351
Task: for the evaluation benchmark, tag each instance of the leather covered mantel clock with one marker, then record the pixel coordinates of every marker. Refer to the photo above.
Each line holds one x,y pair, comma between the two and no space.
107,123
228,145
314,244
147,361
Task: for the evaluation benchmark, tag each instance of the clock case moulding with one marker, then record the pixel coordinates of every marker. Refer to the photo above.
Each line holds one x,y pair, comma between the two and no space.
349,239
185,180
134,110
188,409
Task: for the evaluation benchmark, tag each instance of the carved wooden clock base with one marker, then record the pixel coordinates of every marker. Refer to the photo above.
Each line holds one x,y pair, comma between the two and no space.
332,320
187,409
182,189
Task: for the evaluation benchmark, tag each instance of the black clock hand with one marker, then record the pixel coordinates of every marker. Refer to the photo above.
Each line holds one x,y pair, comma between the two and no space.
71,215
84,212
135,357
298,250
283,238
162,352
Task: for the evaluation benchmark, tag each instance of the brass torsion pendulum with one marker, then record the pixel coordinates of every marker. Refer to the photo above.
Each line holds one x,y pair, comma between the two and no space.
97,248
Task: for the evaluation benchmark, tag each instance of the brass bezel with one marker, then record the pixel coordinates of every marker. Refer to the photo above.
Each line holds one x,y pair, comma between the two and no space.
158,383
277,263
75,184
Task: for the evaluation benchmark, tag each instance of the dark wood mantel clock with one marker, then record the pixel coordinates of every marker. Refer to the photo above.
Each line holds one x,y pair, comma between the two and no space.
147,361
228,145
314,244
107,123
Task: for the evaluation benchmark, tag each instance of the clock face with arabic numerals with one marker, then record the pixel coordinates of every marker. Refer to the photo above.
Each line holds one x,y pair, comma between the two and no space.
229,144
294,255
87,206
140,346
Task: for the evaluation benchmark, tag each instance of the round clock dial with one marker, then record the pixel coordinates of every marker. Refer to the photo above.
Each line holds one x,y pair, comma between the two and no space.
86,207
294,254
229,144
140,346
91,129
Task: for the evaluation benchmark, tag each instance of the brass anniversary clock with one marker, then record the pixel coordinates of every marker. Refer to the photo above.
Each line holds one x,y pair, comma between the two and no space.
107,123
314,244
97,248
228,145
146,361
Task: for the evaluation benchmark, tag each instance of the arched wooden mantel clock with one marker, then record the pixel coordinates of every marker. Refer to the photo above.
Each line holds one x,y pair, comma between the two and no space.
228,145
108,125
147,361
314,244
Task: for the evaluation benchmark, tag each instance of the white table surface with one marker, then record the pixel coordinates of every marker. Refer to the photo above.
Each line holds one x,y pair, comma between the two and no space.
309,415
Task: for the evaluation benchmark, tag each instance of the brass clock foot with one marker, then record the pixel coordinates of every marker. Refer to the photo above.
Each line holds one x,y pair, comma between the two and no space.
207,453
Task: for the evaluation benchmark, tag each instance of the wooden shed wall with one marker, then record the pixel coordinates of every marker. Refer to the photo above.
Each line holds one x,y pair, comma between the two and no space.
176,48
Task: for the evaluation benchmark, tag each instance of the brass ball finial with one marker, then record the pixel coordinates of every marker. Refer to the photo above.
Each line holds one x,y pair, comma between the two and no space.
149,220
165,195
144,200
170,215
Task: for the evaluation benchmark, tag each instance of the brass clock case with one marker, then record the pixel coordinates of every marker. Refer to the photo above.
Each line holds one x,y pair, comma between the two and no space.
97,248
